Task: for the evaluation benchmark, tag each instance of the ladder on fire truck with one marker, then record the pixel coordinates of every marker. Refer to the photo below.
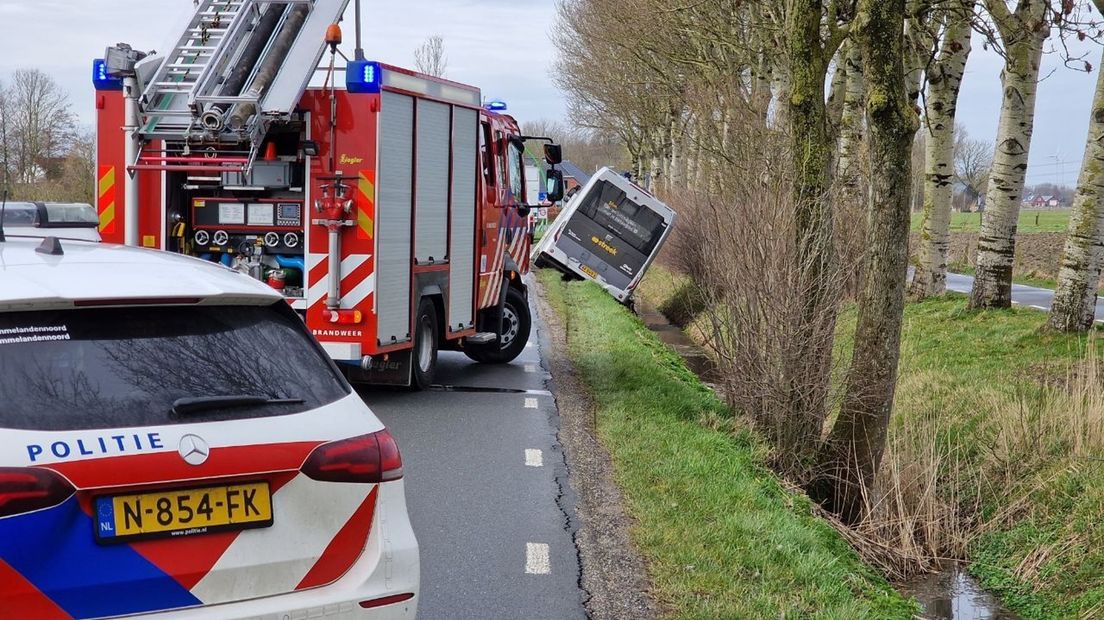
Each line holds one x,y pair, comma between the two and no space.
239,66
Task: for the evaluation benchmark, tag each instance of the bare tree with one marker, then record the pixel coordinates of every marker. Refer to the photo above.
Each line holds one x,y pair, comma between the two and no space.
944,82
973,160
1022,32
1074,306
76,177
38,122
852,454
852,116
430,57
811,47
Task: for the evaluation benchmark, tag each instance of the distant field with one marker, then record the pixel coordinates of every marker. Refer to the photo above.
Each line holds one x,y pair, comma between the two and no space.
1034,221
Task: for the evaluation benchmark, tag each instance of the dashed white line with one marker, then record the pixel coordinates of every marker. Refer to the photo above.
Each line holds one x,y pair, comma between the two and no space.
534,458
1038,307
530,368
536,559
531,403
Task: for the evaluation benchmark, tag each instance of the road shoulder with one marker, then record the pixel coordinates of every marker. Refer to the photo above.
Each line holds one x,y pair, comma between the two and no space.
613,573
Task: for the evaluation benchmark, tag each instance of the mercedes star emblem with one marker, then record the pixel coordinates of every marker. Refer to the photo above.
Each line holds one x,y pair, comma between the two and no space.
194,450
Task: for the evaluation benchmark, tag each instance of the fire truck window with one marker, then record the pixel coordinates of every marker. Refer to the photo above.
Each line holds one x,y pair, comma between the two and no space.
500,157
486,155
517,185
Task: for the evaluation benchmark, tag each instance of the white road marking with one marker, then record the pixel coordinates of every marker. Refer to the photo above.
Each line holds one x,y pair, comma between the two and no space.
530,403
1015,303
534,458
536,559
530,368
530,345
1038,307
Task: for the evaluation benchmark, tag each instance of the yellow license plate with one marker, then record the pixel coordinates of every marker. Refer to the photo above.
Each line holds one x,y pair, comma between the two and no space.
184,512
587,270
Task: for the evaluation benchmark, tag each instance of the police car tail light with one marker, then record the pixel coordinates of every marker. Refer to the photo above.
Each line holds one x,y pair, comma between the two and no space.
366,459
24,489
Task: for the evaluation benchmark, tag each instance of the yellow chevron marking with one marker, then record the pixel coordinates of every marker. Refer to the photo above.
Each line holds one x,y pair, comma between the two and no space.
107,181
107,216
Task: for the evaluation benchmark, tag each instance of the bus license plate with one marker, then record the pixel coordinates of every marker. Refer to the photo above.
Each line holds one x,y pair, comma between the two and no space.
587,270
183,512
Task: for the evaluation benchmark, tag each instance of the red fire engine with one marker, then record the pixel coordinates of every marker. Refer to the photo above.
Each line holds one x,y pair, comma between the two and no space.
390,210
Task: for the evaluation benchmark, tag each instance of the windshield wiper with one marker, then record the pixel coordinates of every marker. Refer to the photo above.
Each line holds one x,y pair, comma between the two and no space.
196,404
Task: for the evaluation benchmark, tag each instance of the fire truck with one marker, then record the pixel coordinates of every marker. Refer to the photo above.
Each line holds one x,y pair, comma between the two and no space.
389,207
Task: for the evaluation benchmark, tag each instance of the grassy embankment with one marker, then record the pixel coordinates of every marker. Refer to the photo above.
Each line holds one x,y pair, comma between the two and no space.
1002,424
722,536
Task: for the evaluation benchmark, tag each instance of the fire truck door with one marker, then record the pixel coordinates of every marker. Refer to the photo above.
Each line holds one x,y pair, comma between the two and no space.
465,126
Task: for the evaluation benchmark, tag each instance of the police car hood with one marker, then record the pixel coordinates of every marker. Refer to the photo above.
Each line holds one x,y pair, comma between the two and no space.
31,279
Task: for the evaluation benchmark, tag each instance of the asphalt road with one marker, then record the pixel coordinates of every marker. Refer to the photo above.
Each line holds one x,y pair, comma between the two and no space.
487,490
1026,296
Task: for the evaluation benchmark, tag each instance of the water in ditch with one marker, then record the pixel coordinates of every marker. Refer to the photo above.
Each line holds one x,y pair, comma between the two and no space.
951,594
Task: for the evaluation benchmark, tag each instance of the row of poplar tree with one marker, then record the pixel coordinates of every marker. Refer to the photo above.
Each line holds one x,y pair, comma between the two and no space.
848,85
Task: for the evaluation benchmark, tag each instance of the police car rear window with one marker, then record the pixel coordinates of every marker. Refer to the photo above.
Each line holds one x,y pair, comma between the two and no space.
121,367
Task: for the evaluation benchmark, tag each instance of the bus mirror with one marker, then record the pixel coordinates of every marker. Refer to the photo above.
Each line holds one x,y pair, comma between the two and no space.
553,154
555,185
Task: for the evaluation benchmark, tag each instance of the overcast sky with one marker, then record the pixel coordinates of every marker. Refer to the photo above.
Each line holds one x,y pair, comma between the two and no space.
502,46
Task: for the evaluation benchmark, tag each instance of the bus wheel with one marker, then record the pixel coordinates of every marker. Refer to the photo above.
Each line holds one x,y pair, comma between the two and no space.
424,357
517,324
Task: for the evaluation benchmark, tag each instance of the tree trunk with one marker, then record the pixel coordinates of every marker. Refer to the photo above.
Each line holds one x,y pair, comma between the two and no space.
812,150
850,458
837,89
1026,32
781,87
944,82
852,118
1074,306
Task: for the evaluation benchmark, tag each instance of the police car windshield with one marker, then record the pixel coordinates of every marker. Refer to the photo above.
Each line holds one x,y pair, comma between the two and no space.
125,367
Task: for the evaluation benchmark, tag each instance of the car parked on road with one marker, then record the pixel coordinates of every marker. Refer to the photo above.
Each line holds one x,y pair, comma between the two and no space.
64,220
173,442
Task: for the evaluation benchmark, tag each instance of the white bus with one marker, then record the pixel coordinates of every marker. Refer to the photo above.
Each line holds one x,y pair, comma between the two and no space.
609,232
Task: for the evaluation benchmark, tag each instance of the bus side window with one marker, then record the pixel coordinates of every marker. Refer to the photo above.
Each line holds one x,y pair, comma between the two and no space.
486,154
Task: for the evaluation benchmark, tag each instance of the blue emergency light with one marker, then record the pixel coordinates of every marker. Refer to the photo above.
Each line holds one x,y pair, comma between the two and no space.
363,76
101,80
496,106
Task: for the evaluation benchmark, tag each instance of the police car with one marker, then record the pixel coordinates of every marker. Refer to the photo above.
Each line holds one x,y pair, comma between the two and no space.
173,443
64,220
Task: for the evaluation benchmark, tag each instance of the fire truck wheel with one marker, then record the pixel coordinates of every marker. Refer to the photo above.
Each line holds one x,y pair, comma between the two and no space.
516,325
425,346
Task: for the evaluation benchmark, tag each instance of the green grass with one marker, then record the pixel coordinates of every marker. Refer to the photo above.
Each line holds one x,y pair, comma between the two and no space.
1031,221
977,377
723,538
976,382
